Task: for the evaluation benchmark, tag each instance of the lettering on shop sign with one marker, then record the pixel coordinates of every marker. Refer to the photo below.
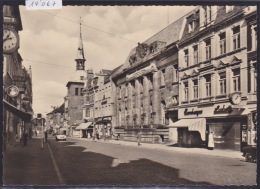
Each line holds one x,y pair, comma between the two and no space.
193,112
43,4
224,109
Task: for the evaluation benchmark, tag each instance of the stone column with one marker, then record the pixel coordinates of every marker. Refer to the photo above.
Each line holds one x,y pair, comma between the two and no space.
138,102
130,104
253,37
146,101
156,96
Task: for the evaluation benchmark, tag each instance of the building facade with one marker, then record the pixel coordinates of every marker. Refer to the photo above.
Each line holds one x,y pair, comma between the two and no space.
17,82
217,76
55,121
147,88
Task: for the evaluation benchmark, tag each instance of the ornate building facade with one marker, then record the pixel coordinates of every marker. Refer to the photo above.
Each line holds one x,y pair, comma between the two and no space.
217,76
147,88
17,82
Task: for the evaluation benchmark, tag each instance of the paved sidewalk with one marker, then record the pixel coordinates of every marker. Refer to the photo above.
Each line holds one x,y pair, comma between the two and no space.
29,165
168,147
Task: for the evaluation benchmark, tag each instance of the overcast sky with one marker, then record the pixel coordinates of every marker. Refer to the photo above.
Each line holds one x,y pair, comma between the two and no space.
49,43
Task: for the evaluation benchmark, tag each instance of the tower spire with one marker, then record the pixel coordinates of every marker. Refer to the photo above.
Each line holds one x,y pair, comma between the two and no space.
80,55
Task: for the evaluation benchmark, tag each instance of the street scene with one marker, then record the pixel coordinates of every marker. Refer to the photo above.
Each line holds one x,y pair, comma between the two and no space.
130,96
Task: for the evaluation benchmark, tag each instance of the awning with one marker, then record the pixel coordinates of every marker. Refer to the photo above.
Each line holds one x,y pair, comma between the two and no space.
198,124
103,121
83,126
24,115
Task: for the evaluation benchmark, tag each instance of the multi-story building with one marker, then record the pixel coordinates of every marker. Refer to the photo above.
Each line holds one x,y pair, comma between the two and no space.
147,88
217,75
99,102
74,99
17,81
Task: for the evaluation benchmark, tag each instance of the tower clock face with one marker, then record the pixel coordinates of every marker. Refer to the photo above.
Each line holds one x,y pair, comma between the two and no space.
10,40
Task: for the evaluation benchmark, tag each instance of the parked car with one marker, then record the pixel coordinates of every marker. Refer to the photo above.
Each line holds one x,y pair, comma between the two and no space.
60,137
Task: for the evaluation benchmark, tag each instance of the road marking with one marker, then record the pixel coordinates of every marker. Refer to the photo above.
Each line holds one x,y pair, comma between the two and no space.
61,180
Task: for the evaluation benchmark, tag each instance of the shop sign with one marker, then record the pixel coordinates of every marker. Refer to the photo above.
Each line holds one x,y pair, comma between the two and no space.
13,91
223,109
193,112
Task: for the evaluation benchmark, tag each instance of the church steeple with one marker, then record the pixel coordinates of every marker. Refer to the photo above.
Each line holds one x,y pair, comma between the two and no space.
80,60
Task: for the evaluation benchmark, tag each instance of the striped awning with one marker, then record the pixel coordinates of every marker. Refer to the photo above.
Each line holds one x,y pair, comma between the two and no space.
83,126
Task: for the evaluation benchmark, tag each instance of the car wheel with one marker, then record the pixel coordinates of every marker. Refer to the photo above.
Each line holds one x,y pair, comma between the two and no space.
249,157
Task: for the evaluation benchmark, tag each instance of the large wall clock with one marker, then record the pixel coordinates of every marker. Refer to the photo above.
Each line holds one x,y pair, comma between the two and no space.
10,40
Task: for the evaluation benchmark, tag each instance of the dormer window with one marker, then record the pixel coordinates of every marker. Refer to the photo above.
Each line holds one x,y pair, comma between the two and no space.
207,15
193,21
229,9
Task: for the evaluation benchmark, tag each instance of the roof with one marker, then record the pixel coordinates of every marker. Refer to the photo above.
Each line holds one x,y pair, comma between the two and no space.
168,35
58,110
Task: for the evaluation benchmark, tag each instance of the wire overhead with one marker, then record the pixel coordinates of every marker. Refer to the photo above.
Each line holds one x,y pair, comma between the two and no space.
75,22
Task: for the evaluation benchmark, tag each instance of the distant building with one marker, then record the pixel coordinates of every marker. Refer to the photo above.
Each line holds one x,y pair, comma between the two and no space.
17,82
55,120
74,99
217,76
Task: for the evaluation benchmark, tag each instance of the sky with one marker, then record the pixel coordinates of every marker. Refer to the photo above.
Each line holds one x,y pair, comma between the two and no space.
49,41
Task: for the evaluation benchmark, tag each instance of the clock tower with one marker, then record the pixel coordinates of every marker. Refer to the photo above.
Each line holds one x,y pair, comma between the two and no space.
80,60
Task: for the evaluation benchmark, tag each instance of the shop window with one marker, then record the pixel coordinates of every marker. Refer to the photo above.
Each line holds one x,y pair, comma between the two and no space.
186,91
195,89
195,54
208,85
186,57
236,79
222,83
236,38
208,49
222,43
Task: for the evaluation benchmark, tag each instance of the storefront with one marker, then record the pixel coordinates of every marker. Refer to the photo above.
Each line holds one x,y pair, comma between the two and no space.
227,122
85,130
103,126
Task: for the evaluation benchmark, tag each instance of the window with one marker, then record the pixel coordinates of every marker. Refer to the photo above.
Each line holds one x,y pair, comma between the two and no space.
175,73
222,43
186,57
81,91
195,89
207,15
208,85
76,91
186,91
81,77
236,38
208,49
119,92
222,83
195,54
126,90
236,79
163,77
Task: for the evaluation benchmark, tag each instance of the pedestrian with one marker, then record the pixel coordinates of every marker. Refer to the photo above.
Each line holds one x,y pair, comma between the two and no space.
94,134
35,132
139,138
25,136
46,136
211,144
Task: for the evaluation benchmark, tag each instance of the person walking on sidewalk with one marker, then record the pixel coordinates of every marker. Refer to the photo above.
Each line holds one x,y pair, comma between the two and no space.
25,136
46,136
211,144
138,138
